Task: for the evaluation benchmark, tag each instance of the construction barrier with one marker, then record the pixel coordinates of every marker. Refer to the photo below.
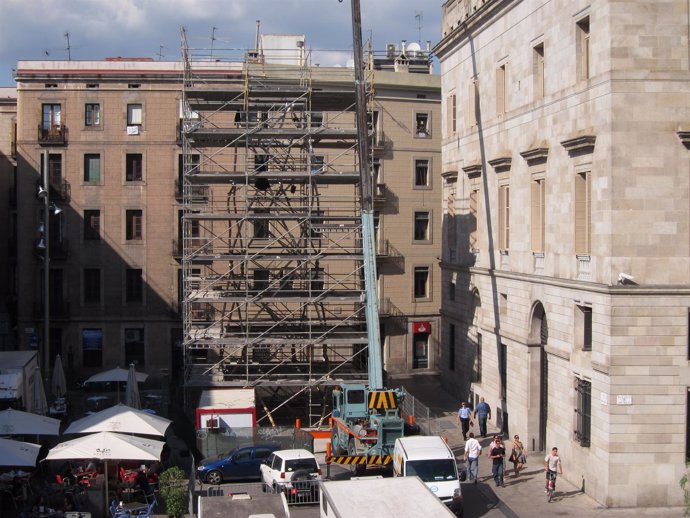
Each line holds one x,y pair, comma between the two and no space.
360,460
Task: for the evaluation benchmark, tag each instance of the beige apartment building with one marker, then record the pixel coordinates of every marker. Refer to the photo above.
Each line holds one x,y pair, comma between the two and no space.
110,135
8,203
566,263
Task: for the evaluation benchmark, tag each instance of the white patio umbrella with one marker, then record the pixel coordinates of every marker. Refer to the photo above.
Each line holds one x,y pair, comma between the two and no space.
58,383
132,390
121,418
16,422
116,375
17,453
107,446
39,404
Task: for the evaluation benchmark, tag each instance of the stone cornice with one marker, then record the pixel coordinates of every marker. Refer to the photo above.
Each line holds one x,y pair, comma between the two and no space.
501,164
473,170
535,155
558,353
684,136
450,176
579,144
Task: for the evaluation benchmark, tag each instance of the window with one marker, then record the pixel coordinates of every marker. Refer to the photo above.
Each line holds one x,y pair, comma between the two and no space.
477,364
503,370
583,327
261,224
451,113
583,50
134,165
134,226
473,221
134,285
375,127
261,163
54,170
92,347
538,68
421,282
134,346
92,115
451,347
51,117
422,128
583,411
92,286
317,163
92,225
473,103
421,226
451,287
583,207
316,279
261,280
421,173
501,90
316,119
504,217
135,115
538,214
92,168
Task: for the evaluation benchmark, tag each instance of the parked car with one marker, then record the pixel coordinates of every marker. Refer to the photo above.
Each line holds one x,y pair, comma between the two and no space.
294,471
241,463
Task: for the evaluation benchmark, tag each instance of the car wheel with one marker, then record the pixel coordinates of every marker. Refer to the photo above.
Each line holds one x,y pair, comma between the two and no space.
214,477
336,448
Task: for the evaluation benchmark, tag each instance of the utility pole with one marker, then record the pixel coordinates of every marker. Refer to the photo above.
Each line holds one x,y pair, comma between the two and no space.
44,193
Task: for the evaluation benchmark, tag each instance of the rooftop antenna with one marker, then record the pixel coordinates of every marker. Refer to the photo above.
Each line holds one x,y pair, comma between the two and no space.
419,16
69,49
160,51
213,38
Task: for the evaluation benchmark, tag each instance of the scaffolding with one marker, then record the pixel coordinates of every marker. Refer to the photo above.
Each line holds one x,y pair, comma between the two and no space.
272,266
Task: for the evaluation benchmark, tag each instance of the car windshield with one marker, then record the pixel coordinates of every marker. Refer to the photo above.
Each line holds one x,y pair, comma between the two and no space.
295,464
227,453
432,470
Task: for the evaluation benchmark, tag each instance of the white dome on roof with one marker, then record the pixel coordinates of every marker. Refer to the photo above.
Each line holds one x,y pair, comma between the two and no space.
414,47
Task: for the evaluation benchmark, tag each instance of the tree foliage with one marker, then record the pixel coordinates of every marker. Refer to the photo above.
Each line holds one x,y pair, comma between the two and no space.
173,488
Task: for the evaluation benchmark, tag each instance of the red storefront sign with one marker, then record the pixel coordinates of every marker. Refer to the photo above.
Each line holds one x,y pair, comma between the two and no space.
421,327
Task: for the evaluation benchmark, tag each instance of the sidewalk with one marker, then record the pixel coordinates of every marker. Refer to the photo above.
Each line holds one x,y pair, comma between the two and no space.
522,496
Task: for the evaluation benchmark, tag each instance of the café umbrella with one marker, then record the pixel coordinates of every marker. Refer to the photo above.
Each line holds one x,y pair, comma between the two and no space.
116,375
58,384
107,446
16,422
17,453
121,418
39,404
132,398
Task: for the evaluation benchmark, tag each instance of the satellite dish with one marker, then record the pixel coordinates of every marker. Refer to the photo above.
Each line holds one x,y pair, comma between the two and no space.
413,49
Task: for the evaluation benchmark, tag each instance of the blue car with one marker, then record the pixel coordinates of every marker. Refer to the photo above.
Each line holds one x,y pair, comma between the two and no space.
241,463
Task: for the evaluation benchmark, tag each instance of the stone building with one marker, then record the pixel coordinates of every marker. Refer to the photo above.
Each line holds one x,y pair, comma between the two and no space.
566,264
108,133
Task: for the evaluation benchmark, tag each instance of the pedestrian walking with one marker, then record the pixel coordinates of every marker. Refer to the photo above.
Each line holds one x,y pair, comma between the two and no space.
552,464
497,455
464,416
472,452
483,413
518,455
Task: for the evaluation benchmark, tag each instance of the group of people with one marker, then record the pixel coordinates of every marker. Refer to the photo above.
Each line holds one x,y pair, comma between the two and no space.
497,448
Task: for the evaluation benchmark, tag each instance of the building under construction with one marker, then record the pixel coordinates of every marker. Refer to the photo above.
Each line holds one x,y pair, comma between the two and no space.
273,289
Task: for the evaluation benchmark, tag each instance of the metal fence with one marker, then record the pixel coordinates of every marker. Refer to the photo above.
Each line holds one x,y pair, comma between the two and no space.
301,492
213,442
412,407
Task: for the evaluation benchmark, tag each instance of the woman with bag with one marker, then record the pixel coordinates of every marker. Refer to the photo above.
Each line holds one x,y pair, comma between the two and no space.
518,456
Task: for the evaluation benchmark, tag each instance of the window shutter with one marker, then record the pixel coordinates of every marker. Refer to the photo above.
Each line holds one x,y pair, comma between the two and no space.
472,103
472,223
582,213
501,89
537,221
501,218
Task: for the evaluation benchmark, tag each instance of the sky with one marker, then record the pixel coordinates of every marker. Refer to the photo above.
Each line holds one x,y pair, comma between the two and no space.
36,29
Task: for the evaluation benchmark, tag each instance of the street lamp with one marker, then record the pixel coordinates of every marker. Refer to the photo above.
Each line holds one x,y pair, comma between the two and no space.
44,194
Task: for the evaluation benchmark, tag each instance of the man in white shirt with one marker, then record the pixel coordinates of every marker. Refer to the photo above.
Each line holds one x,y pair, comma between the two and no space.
472,452
552,465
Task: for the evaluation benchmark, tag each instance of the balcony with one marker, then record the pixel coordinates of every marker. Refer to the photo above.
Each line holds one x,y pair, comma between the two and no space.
177,249
55,135
196,193
60,189
380,194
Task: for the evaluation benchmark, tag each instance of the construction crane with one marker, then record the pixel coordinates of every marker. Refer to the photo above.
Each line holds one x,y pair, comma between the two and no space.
366,418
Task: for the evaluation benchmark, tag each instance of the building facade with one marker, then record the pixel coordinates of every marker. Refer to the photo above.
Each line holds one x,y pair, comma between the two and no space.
108,133
104,137
566,263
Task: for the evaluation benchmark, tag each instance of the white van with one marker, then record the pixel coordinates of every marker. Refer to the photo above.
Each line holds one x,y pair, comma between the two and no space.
431,459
